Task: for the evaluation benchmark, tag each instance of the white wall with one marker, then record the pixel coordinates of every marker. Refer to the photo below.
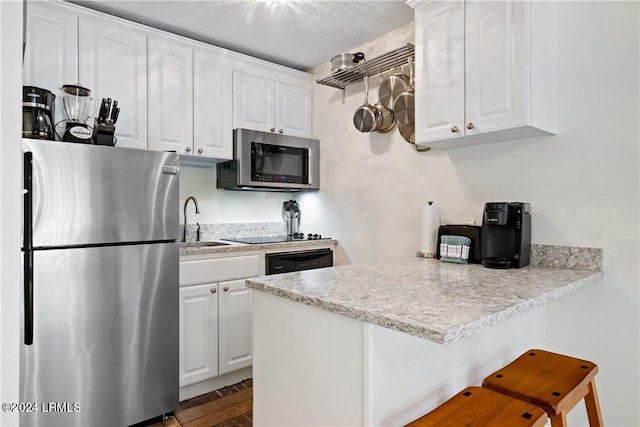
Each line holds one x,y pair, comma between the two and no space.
220,206
10,124
583,185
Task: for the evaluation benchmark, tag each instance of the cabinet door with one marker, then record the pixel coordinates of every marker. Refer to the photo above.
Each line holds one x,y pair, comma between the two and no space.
236,325
212,96
113,64
495,65
253,102
170,96
293,110
51,54
198,333
439,70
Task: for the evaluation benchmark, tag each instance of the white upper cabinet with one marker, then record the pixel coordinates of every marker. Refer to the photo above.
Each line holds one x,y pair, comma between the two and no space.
174,94
440,71
212,96
269,105
485,71
253,102
495,65
293,110
51,54
113,64
170,96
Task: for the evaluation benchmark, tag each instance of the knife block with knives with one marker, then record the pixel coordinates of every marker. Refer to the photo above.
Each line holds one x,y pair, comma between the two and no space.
104,127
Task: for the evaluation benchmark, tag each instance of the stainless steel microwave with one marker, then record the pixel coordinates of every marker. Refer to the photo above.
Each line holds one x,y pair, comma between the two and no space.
270,162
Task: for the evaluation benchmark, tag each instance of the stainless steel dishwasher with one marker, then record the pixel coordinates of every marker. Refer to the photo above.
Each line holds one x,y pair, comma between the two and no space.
285,262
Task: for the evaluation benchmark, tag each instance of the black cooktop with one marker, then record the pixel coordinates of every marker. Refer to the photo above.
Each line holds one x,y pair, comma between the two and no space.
276,239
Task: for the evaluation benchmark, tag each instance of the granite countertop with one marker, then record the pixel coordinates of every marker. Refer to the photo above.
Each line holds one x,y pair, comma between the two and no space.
201,248
438,301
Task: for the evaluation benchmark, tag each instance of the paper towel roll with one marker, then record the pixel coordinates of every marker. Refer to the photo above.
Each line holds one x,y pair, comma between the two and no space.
430,224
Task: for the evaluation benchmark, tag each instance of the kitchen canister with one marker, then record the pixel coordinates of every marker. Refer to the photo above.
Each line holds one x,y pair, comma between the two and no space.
429,233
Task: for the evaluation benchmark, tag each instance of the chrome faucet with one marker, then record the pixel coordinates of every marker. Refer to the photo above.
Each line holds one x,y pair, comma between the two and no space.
186,202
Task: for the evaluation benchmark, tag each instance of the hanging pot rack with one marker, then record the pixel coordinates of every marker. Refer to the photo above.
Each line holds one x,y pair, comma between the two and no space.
371,67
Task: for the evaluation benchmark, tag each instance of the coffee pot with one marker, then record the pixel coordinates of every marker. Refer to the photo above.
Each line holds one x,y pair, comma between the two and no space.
291,216
37,113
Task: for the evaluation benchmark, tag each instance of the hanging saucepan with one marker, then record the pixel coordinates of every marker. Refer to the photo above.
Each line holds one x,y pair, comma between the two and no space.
345,61
403,105
388,120
392,86
367,118
408,132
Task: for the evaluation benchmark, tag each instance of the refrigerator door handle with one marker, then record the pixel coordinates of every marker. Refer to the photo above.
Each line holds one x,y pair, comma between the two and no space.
27,242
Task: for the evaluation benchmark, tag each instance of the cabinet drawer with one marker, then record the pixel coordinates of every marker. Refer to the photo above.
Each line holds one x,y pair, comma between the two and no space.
213,270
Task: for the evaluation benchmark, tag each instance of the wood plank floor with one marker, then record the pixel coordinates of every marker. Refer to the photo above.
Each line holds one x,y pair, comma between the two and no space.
230,406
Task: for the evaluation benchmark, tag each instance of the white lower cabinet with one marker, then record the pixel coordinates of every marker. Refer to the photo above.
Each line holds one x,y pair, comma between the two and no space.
216,316
235,304
198,333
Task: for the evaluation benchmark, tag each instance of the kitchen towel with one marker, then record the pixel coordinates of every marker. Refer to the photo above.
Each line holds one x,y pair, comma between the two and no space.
454,249
430,225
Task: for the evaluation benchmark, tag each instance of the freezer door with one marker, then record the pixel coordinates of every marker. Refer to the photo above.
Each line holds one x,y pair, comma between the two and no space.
105,344
90,194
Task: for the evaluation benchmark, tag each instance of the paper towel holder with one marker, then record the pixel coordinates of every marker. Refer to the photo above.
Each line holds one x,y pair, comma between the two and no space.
421,254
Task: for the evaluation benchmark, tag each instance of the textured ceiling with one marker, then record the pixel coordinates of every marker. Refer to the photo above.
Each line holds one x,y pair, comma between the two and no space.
301,34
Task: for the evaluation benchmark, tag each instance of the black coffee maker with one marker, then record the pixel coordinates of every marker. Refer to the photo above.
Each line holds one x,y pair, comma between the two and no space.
506,235
37,113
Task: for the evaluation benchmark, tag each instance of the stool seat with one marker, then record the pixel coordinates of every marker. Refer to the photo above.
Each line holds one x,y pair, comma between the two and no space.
476,406
552,381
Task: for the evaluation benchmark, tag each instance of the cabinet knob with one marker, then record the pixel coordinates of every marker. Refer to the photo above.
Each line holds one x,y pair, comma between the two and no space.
470,125
454,129
273,129
213,290
280,131
226,288
200,150
188,149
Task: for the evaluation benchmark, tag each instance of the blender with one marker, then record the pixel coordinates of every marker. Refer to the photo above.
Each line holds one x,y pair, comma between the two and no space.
78,106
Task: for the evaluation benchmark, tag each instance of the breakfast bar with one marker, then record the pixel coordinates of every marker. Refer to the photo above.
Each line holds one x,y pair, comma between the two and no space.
381,344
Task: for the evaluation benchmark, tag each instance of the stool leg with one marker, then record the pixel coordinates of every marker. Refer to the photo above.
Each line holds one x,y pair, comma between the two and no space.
559,420
593,406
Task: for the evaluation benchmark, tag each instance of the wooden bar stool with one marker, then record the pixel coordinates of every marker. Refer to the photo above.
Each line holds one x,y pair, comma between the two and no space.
554,382
477,406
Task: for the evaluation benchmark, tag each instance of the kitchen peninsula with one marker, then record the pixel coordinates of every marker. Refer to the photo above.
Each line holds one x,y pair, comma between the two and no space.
381,344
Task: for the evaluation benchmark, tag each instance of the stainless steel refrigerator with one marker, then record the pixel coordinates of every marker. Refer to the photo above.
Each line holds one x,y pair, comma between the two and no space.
100,285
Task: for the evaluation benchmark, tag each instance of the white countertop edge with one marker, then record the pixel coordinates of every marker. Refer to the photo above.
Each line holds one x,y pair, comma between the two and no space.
422,331
196,248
